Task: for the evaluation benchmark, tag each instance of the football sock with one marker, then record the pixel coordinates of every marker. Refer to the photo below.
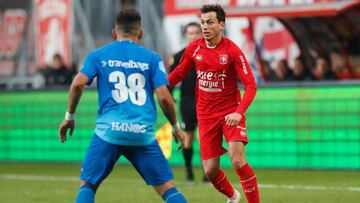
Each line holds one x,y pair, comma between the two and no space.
172,195
85,195
188,154
221,183
249,184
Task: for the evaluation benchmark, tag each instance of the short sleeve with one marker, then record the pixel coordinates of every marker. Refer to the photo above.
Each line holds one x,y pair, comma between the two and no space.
89,67
158,73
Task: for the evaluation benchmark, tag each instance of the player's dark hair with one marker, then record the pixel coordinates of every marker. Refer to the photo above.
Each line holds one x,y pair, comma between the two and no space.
191,24
220,13
128,21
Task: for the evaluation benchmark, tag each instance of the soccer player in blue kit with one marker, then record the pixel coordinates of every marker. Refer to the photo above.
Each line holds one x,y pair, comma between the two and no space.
127,76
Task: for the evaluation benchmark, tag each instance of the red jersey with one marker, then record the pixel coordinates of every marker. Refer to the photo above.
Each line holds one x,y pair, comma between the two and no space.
217,70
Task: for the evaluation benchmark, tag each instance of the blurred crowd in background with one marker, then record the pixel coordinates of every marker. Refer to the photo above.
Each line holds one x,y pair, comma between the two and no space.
43,43
327,67
324,67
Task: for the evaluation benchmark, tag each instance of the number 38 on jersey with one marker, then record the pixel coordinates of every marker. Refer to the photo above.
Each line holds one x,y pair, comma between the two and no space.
131,87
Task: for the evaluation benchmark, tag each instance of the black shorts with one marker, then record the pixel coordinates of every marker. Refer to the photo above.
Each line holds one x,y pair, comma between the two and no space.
188,113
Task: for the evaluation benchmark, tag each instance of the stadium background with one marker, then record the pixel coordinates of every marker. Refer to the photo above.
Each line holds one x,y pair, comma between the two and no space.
291,125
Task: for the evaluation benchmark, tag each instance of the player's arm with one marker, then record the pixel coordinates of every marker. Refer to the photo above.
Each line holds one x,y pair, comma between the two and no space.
75,93
247,78
167,105
184,67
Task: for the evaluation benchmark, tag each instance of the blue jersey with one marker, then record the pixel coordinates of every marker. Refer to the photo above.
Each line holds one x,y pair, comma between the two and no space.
127,74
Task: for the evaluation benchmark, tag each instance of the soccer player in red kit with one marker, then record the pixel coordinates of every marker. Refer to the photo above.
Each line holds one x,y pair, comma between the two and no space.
220,107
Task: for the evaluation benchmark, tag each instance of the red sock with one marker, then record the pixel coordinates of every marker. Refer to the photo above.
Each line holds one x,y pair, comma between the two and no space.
249,184
221,183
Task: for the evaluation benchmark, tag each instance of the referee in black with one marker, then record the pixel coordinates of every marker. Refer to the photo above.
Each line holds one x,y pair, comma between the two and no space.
192,31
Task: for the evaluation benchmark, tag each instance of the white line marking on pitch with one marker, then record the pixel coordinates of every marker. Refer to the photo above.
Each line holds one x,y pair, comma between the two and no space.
264,186
308,187
39,177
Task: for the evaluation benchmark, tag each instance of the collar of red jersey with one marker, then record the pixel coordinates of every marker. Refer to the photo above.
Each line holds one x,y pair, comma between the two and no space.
213,47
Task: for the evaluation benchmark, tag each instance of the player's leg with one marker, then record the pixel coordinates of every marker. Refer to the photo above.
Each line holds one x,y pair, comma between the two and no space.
195,121
217,176
188,155
244,171
236,138
97,165
86,193
169,193
155,170
188,114
210,137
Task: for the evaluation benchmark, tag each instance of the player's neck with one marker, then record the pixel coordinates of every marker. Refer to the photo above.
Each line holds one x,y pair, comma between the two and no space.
132,39
212,43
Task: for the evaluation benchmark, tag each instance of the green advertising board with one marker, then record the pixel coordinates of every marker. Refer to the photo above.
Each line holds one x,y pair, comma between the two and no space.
288,127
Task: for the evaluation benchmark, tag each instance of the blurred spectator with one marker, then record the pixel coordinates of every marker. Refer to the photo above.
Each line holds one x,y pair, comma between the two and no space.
57,73
300,70
338,66
282,71
266,72
322,69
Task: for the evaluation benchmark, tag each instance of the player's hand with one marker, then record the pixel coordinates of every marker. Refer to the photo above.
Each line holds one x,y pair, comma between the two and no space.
233,119
179,135
64,126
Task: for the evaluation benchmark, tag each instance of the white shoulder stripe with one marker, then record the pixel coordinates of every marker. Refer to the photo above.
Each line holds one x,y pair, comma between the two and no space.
196,50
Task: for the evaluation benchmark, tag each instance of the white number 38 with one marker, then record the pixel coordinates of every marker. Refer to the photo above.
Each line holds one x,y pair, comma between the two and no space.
134,89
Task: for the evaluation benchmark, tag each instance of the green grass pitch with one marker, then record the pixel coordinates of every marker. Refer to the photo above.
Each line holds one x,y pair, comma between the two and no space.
54,183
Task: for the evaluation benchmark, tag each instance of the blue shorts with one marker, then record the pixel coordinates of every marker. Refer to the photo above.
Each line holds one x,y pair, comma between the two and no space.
148,160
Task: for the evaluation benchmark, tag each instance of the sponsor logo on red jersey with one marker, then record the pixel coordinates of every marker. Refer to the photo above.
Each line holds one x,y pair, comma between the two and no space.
198,57
243,64
211,81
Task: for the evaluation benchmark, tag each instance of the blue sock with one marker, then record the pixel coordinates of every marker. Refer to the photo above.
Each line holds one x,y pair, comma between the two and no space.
172,195
85,195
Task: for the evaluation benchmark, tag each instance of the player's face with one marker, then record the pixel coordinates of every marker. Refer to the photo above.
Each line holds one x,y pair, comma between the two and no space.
211,27
192,33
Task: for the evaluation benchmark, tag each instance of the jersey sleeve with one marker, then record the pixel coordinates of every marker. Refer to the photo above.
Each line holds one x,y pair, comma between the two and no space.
184,67
158,73
247,78
89,67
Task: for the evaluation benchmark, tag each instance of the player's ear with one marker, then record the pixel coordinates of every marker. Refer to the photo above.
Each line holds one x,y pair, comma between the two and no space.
141,33
113,33
222,25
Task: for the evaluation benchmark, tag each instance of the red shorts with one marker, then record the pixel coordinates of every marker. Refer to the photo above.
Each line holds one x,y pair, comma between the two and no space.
211,133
